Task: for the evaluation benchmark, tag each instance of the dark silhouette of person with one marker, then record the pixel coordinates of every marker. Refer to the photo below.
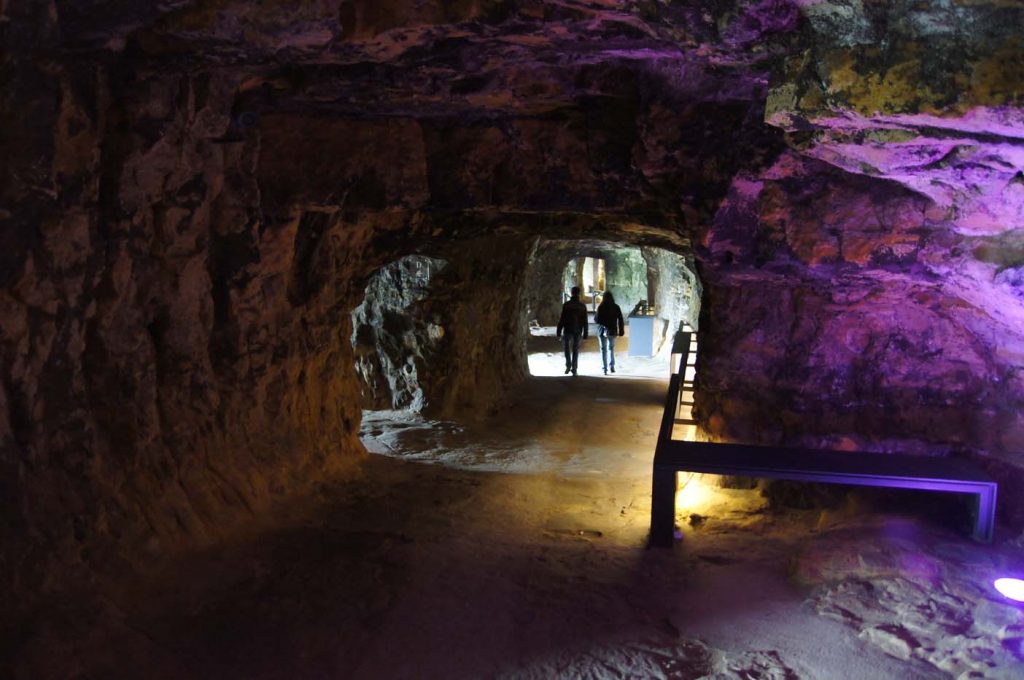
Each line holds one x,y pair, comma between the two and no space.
610,325
571,325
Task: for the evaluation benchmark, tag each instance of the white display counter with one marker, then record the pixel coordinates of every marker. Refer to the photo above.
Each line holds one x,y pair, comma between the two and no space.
641,335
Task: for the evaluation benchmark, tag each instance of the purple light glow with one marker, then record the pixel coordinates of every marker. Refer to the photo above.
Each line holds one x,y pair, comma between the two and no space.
1012,588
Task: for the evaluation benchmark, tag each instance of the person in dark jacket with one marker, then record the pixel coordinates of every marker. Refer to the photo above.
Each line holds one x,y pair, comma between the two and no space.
571,325
610,325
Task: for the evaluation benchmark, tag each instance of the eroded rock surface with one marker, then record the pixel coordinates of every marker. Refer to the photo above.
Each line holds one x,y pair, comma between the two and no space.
902,594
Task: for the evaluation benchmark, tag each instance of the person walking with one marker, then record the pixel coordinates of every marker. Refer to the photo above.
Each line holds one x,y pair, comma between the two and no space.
610,325
572,324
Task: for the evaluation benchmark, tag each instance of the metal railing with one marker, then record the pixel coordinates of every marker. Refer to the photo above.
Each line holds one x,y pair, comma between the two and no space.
894,470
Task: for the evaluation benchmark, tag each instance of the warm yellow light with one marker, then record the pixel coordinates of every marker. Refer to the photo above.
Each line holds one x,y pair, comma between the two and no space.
693,494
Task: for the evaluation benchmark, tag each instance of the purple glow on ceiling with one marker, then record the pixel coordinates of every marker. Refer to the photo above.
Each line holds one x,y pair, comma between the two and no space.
970,165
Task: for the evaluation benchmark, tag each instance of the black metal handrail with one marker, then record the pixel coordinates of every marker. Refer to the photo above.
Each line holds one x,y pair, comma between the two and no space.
810,465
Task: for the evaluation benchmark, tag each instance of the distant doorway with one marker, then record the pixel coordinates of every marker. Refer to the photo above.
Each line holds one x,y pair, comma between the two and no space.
592,280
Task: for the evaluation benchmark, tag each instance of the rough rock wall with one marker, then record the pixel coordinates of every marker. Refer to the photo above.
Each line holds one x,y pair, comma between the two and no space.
175,321
546,277
572,273
483,352
865,286
626,276
677,290
175,359
928,94
625,272
851,306
425,320
176,342
446,334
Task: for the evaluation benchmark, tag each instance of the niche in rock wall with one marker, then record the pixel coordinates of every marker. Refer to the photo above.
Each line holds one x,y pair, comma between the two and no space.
395,338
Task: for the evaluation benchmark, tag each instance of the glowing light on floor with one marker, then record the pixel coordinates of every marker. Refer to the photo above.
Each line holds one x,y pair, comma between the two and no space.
1012,588
693,494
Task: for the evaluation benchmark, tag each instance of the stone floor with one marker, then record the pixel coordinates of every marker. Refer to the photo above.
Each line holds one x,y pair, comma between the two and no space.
515,547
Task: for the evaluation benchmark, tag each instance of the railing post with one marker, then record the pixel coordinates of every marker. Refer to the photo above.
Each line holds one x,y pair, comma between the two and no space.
663,485
668,417
985,514
663,508
680,352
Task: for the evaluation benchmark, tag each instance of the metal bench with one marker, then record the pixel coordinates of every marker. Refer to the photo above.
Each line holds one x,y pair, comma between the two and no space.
805,465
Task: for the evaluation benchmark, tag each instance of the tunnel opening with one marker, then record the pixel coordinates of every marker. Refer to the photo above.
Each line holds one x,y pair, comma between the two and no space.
439,332
444,344
426,322
396,335
657,290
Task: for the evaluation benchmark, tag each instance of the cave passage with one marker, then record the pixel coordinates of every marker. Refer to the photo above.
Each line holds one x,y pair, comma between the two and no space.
416,313
645,278
414,309
279,395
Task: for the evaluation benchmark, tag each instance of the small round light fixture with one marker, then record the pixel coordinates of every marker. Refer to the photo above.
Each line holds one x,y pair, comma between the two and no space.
1012,588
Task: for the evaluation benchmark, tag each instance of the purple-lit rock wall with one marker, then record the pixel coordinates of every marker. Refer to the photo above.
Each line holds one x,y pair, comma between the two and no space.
866,283
862,332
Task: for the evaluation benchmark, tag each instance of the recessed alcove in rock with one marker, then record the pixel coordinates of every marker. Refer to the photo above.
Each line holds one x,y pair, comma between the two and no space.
228,230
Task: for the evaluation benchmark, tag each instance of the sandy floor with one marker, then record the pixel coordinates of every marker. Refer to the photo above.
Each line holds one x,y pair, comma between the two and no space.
515,547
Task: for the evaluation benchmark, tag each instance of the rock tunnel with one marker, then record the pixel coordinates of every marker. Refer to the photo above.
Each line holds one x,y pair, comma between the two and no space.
228,228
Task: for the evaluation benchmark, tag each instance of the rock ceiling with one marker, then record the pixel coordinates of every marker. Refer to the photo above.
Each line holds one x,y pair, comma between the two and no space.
926,94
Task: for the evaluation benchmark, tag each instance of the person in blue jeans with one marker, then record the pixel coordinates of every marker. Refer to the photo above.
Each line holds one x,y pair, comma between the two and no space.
572,324
610,325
